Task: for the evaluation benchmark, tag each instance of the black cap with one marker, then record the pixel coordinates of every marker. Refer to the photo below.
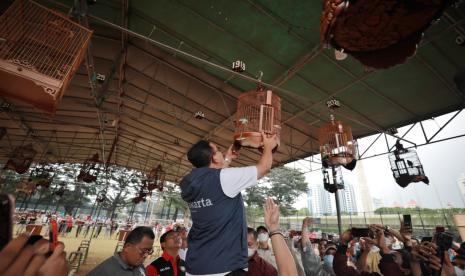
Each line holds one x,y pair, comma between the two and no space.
261,227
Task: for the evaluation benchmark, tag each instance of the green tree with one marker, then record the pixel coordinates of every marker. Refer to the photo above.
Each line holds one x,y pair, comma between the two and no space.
283,184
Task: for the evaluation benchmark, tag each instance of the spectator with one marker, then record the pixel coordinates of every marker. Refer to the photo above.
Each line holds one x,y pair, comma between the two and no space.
169,263
138,245
264,248
217,240
257,265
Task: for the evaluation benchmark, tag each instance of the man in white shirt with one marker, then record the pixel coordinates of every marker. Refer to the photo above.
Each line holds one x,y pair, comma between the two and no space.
218,237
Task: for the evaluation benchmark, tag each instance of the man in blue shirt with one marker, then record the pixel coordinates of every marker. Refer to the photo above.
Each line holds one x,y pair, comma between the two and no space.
218,237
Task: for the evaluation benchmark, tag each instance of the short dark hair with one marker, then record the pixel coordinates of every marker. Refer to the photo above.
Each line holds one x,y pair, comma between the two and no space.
200,154
252,231
261,227
139,233
163,237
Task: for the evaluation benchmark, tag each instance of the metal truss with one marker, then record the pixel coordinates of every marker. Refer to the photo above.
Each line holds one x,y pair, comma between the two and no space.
314,161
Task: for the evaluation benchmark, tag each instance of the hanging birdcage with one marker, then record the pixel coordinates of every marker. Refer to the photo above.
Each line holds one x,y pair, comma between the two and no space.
40,52
332,179
379,33
25,186
90,169
337,146
257,111
21,159
406,167
156,179
42,175
101,197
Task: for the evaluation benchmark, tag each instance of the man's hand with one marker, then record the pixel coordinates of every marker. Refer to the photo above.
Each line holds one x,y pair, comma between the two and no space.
230,154
271,214
269,141
20,258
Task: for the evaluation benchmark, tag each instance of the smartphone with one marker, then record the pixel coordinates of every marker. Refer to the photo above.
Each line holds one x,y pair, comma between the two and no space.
53,234
6,214
427,239
360,232
408,222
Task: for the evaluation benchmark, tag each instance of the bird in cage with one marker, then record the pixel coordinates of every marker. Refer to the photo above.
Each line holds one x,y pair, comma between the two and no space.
199,115
258,111
332,179
406,166
21,159
378,33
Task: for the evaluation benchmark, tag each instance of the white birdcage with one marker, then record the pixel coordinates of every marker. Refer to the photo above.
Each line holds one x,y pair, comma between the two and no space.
40,50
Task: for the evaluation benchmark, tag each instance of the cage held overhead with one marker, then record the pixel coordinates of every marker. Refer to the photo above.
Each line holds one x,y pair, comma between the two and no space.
40,51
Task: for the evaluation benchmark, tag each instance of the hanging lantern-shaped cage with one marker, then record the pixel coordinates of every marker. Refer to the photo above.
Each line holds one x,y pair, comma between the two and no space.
406,167
90,169
21,159
379,33
42,175
156,179
337,146
25,186
40,52
257,111
332,179
101,197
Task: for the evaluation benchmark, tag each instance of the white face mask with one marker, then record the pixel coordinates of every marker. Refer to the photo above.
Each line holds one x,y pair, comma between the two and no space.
263,237
250,251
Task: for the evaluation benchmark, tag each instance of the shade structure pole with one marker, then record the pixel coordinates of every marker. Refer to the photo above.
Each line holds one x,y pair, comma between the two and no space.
338,212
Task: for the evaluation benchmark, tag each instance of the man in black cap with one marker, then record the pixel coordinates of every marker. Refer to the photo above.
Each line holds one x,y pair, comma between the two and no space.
169,264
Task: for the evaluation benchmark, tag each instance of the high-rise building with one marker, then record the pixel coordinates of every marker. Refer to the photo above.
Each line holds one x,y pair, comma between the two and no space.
362,184
347,199
378,203
318,200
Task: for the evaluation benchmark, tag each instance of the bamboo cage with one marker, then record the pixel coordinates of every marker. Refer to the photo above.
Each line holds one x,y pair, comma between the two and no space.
40,51
337,146
257,110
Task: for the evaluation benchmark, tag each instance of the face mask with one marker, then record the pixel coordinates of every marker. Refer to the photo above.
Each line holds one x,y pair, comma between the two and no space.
263,237
328,260
250,252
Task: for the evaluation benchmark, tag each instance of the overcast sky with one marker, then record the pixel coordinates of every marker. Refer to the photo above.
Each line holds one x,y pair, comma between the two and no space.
443,162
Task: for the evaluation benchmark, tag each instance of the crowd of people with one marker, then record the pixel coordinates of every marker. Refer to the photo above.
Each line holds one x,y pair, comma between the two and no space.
219,242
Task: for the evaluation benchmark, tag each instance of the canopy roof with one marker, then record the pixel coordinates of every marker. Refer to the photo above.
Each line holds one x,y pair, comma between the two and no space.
147,109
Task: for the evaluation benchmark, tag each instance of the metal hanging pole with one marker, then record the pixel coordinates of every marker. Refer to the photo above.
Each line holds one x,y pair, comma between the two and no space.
338,206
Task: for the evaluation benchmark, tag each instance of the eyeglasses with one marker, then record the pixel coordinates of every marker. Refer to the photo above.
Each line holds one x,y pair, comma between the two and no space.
144,251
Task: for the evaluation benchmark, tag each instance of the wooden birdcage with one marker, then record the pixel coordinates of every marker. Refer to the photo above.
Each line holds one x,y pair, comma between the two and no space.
42,175
332,179
406,166
379,33
156,179
337,146
90,169
21,159
40,51
257,111
26,186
